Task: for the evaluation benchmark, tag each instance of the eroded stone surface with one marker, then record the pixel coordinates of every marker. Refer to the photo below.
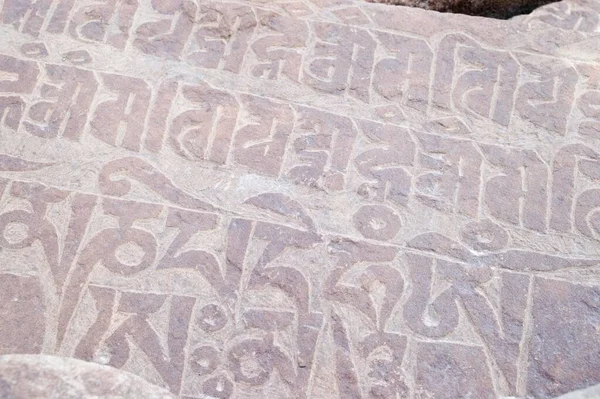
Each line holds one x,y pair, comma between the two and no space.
318,199
51,377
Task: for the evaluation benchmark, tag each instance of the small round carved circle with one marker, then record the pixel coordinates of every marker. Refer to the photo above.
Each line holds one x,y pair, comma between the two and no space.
484,236
211,318
218,387
121,261
204,360
377,222
251,362
13,226
129,254
16,232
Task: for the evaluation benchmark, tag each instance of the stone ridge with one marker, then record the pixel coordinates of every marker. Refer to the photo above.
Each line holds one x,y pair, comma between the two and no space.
51,377
303,199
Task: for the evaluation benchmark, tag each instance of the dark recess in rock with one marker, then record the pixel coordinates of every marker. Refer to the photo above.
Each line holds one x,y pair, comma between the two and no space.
499,9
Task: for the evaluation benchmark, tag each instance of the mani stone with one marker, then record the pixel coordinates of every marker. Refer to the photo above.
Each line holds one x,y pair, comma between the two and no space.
305,199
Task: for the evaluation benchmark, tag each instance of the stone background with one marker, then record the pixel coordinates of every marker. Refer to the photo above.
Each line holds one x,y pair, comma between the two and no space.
303,199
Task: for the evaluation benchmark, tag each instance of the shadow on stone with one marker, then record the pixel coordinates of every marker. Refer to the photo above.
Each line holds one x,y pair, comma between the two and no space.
40,376
499,9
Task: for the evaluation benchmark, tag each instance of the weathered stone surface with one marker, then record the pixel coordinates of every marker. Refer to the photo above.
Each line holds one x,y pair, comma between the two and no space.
565,347
587,393
452,371
51,377
22,309
303,199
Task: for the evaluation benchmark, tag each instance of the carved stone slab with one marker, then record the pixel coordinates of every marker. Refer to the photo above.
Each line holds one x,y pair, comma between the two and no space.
303,199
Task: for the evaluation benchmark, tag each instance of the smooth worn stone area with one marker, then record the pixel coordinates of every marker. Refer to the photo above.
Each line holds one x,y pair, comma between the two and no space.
587,393
303,198
50,377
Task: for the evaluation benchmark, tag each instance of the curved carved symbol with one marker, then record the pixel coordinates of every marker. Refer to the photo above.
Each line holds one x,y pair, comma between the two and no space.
250,360
125,250
14,164
16,77
260,144
78,57
29,16
205,131
35,50
452,177
189,223
519,195
484,236
569,210
290,281
340,60
501,329
204,360
546,100
568,16
380,353
497,316
282,205
38,228
589,105
148,175
587,213
20,229
128,250
218,386
91,22
323,149
404,77
138,330
211,318
377,279
377,222
221,35
168,35
280,51
385,166
124,114
264,356
67,95
474,80
450,125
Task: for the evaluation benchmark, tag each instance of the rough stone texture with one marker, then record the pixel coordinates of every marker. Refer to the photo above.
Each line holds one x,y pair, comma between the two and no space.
501,9
587,393
303,199
50,377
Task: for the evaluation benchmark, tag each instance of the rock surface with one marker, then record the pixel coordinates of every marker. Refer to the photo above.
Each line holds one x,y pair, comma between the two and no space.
51,377
587,393
303,198
501,9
